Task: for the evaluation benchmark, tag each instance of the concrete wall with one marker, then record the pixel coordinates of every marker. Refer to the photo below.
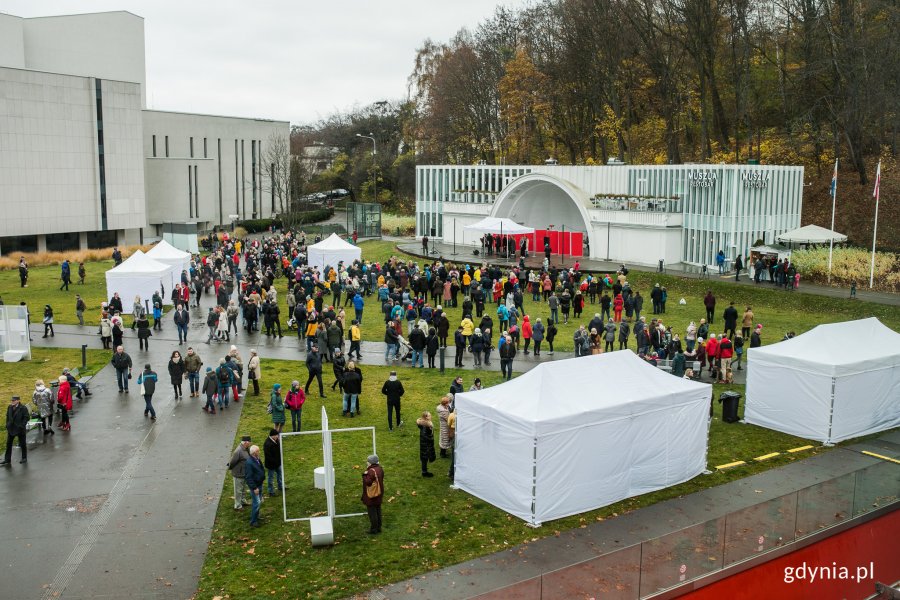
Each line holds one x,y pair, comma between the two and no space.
49,181
226,169
12,41
108,45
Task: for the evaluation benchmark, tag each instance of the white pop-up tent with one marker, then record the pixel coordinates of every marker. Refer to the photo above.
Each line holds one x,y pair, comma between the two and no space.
331,251
832,383
168,254
557,440
811,234
141,276
499,225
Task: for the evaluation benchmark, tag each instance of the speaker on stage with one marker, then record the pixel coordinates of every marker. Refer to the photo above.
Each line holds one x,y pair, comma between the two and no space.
433,231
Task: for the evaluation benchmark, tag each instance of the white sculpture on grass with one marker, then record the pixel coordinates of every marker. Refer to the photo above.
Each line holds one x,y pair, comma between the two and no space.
322,528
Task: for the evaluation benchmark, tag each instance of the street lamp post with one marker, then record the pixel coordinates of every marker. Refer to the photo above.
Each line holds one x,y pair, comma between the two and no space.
374,165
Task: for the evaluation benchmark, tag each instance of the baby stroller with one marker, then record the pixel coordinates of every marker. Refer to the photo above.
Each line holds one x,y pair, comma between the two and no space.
406,349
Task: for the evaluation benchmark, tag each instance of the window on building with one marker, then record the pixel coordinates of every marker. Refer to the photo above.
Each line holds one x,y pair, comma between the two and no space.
190,194
205,155
167,146
191,147
154,147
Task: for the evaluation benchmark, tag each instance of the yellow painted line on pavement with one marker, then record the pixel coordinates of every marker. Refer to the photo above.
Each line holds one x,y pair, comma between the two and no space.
731,464
882,457
800,449
768,456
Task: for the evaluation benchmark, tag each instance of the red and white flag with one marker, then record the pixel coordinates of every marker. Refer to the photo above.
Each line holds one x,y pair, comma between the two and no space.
876,192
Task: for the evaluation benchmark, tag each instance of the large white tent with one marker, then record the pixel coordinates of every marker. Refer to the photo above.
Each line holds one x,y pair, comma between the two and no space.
832,383
168,254
577,434
811,234
331,251
499,225
141,276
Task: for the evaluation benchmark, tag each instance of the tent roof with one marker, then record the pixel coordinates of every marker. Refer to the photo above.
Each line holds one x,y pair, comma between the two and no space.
771,249
499,225
866,341
811,234
138,264
559,390
165,250
333,242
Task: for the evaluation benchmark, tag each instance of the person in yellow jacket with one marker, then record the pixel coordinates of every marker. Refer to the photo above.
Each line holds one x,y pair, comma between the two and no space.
237,246
312,327
466,282
355,337
467,328
477,275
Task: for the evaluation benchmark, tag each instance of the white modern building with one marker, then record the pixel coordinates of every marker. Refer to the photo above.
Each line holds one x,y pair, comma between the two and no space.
83,163
638,214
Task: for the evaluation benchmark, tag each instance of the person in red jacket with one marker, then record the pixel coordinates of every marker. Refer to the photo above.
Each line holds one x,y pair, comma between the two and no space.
726,351
618,303
712,354
294,401
64,399
526,331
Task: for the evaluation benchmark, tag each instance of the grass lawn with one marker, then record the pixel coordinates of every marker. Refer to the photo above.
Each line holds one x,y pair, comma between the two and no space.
47,364
43,288
427,525
777,310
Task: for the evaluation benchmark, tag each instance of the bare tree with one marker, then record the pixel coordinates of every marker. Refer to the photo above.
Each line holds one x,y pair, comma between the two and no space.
277,163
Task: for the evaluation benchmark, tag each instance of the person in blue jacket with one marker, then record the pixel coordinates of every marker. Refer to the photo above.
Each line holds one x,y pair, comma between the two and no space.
147,380
254,475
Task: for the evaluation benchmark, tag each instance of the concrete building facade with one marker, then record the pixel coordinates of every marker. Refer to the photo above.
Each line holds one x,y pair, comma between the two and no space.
83,163
630,213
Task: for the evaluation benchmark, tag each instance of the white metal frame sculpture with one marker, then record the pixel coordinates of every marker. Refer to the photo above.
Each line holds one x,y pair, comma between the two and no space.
329,466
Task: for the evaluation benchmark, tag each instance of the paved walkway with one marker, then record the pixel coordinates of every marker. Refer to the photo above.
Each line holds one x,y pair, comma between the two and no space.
490,577
464,253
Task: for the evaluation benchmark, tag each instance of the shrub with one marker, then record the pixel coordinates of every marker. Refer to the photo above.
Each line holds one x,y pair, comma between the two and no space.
848,265
257,225
36,259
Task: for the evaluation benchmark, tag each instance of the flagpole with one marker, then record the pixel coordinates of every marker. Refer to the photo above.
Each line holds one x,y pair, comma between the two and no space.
833,202
877,195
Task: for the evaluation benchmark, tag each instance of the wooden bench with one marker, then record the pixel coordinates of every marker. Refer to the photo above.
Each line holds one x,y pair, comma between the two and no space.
76,372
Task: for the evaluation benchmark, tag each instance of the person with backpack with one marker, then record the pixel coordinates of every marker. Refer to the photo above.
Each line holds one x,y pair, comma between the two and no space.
373,492
224,382
210,387
212,321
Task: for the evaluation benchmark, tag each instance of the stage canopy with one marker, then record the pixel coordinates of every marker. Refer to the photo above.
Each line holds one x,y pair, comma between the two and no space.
811,234
168,254
552,443
499,225
331,251
834,382
141,276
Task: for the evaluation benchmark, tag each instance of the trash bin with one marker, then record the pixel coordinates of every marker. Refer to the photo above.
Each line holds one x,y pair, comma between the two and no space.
730,401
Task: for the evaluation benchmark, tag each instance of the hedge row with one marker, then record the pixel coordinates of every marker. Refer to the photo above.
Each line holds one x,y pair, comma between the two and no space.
298,218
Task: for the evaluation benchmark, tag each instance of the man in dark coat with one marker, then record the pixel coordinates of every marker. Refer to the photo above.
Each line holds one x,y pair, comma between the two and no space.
17,417
393,389
272,461
709,301
314,366
373,492
730,316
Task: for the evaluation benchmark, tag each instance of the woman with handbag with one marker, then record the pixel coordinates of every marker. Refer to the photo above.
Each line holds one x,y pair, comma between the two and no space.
426,442
253,372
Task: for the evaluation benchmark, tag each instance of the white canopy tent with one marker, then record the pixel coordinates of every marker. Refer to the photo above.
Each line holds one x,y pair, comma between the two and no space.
331,251
141,276
811,234
168,254
553,442
834,382
499,225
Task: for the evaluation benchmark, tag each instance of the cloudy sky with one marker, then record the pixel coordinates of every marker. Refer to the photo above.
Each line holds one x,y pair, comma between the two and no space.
297,60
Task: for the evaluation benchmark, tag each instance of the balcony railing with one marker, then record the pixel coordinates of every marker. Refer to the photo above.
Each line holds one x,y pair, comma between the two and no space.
637,203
